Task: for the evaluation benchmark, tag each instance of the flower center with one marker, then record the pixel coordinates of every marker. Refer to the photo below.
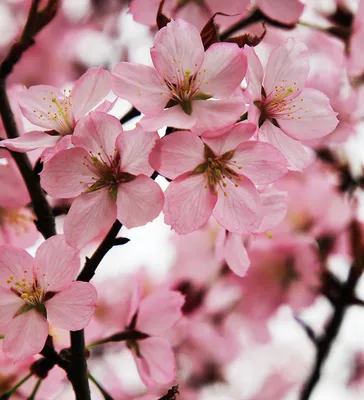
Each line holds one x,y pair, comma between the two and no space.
219,169
106,172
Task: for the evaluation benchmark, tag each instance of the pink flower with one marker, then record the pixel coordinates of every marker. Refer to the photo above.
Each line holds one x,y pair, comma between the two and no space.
285,11
287,113
41,289
58,112
108,172
152,317
188,88
216,176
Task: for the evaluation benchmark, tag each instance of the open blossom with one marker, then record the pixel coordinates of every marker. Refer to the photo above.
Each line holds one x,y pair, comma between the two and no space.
35,291
151,317
287,112
188,88
216,176
108,172
58,112
16,220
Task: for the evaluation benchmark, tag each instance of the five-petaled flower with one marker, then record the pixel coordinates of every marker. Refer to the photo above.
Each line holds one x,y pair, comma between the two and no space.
188,88
287,112
215,176
108,172
36,290
59,111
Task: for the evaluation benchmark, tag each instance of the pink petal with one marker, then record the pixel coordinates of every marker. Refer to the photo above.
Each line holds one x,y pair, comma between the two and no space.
89,215
139,201
106,106
275,205
177,49
255,74
173,116
285,11
223,69
10,303
133,302
240,133
145,12
13,193
134,148
72,308
141,86
58,263
313,119
159,312
37,101
177,153
288,66
261,162
297,156
63,144
236,256
188,203
157,365
65,175
14,262
239,211
26,335
216,114
97,133
89,90
30,141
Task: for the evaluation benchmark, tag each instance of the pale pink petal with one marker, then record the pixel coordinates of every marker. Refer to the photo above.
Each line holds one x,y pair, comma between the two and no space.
179,152
26,335
157,365
97,133
63,143
285,11
275,205
174,117
133,302
30,141
13,193
216,114
223,69
194,13
10,303
297,156
139,201
89,215
188,203
65,175
36,102
56,263
16,263
106,106
228,141
236,256
159,312
312,116
146,12
255,74
134,148
288,66
261,162
141,86
89,90
72,308
240,210
177,49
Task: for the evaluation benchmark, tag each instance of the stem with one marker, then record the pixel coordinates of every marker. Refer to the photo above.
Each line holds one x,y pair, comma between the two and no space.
132,113
15,387
92,263
78,373
102,390
35,390
119,337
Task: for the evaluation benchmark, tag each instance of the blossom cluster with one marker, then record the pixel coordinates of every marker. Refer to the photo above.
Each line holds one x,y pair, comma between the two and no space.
237,144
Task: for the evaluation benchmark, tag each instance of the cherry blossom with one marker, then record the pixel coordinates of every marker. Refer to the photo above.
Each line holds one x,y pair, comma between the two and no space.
215,176
58,112
108,173
35,291
188,88
287,112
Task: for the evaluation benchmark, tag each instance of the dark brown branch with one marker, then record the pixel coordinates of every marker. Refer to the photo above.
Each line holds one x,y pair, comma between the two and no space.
132,113
92,263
